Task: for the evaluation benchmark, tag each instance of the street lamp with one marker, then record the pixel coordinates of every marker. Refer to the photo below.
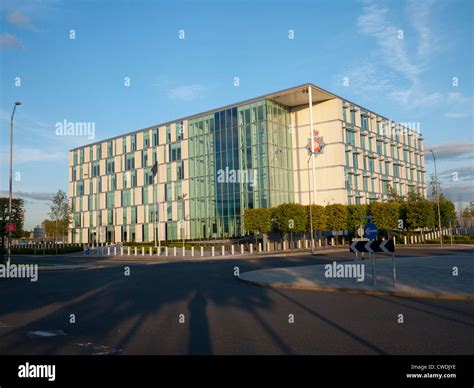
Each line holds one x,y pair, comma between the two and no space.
437,198
17,103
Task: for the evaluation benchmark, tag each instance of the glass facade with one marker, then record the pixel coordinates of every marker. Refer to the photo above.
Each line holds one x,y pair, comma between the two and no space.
238,158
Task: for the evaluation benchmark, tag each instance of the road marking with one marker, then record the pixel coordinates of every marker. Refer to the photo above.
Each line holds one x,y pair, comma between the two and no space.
100,350
50,333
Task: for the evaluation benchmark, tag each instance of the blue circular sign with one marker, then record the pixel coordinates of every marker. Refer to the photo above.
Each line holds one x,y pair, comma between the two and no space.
371,231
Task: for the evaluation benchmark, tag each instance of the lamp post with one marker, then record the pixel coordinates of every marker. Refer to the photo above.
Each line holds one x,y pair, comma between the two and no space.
17,103
437,198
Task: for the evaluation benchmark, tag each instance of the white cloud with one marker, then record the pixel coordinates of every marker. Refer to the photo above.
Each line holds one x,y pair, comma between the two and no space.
378,23
451,150
23,155
186,92
20,20
9,40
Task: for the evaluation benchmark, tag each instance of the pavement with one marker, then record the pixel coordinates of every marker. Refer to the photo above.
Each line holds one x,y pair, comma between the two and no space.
426,277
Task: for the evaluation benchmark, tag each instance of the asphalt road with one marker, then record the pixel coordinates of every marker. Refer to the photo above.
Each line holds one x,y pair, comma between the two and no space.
141,313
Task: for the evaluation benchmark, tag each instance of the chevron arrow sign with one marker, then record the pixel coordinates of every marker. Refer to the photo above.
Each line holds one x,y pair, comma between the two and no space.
384,246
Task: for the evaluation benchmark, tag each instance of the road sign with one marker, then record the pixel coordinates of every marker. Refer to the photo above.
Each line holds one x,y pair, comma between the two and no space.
360,231
11,227
384,246
371,231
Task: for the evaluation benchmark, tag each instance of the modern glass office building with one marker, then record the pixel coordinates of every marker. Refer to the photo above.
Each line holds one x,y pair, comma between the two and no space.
214,165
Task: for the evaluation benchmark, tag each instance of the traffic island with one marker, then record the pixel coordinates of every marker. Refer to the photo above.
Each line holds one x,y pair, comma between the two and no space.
433,277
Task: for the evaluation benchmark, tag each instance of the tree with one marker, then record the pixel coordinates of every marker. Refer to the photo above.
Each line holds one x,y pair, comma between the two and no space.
258,221
468,211
385,215
60,213
290,218
336,217
447,211
418,214
49,228
355,216
18,218
319,217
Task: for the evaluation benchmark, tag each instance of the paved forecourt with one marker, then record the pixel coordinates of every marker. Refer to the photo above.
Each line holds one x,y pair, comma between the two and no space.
440,277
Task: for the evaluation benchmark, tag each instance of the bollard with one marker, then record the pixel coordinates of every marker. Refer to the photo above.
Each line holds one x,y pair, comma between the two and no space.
115,251
232,249
202,251
299,244
251,248
260,247
184,252
332,241
151,251
241,249
319,243
192,251
135,251
174,251
306,244
223,250
108,251
268,247
405,240
284,245
143,251
166,251
212,251
128,251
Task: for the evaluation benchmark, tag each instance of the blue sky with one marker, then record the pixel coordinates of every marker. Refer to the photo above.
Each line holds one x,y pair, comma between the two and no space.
400,58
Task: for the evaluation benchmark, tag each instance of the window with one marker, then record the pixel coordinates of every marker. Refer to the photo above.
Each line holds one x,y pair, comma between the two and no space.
130,162
155,137
110,200
96,169
168,172
146,139
144,158
148,177
179,130
110,166
168,134
110,148
354,161
80,188
124,145
350,137
180,171
126,200
175,151
364,121
362,141
133,139
177,190
99,151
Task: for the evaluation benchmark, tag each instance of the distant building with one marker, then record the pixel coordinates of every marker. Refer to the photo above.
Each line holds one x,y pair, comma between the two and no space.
38,233
214,165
